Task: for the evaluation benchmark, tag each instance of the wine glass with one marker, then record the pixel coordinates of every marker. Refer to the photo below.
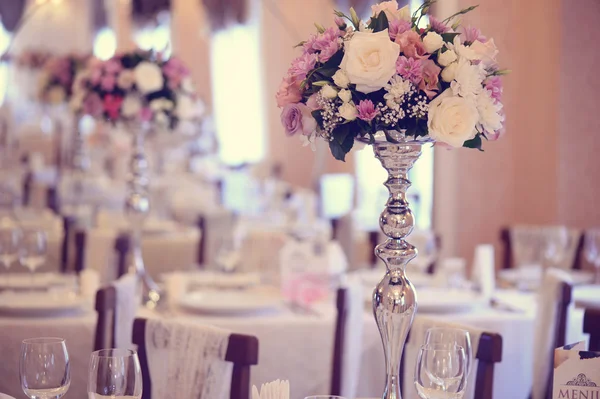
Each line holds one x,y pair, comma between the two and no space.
441,372
592,250
324,397
44,368
557,241
450,337
33,250
9,246
114,373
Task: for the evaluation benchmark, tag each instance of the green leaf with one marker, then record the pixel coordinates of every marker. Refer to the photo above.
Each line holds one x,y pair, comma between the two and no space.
300,44
449,37
379,23
354,18
342,143
320,28
335,60
328,72
318,115
474,143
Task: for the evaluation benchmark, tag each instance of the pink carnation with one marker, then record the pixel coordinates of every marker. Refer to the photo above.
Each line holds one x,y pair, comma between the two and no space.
431,73
411,44
494,85
301,66
288,93
113,66
312,102
92,105
366,110
108,82
397,27
410,69
437,25
112,106
471,34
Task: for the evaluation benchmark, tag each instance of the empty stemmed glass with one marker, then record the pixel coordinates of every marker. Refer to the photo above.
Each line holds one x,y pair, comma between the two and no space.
451,337
9,247
441,372
44,368
557,240
592,250
114,373
32,254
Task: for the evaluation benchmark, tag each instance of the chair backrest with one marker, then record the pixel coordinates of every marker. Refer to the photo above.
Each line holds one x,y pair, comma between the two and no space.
338,343
106,305
122,246
591,326
242,351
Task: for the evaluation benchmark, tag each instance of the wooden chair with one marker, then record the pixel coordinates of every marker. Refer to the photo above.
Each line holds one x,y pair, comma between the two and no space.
591,325
122,247
68,231
338,345
242,351
106,304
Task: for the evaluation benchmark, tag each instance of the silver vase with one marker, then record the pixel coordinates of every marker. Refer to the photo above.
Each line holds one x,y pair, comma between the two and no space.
137,209
395,298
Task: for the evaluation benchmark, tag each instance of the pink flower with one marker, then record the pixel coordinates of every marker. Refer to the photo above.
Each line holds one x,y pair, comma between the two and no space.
366,110
494,85
288,93
92,105
411,44
108,82
113,66
301,66
112,106
95,76
175,71
312,103
146,114
437,25
298,118
339,21
410,69
328,50
397,27
470,34
431,73
325,43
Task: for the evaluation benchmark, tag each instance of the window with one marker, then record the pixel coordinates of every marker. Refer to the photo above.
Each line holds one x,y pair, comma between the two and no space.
156,35
5,38
105,44
237,95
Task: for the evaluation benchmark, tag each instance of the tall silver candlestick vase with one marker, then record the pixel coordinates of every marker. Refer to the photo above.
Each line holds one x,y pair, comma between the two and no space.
137,208
395,298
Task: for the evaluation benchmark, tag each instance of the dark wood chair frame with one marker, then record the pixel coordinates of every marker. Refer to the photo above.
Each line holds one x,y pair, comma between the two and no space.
591,325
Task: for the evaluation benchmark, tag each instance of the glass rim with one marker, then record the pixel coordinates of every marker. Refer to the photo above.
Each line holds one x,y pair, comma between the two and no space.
113,352
442,348
448,328
44,341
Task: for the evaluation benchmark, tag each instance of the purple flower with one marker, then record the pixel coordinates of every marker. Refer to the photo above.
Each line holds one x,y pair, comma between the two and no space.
366,110
301,66
494,85
410,69
398,27
93,105
437,25
339,21
298,118
471,34
113,66
328,50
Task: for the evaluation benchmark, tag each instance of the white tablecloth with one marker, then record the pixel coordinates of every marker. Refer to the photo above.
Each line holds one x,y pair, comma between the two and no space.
78,331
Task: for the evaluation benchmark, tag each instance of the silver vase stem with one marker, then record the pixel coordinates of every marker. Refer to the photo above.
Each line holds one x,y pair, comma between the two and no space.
395,298
137,208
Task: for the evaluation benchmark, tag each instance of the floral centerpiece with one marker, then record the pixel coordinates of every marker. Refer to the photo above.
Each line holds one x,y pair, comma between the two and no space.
356,80
136,86
57,76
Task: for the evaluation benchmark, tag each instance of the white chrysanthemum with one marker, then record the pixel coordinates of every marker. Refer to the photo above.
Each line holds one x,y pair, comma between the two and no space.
468,79
187,108
148,77
348,111
345,95
490,117
396,90
446,58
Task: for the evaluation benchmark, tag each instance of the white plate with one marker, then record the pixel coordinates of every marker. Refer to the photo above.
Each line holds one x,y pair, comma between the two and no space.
439,300
24,281
230,302
228,281
40,304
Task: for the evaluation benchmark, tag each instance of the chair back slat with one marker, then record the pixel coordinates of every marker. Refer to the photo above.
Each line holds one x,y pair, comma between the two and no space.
68,227
80,241
566,293
242,351
489,352
122,246
591,326
340,336
106,305
202,243
507,250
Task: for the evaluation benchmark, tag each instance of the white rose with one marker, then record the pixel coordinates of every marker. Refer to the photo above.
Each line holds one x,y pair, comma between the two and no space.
446,58
126,79
452,119
345,95
468,79
187,85
161,119
341,79
148,77
391,10
348,111
187,108
131,107
449,72
486,52
432,42
490,117
370,60
160,104
329,92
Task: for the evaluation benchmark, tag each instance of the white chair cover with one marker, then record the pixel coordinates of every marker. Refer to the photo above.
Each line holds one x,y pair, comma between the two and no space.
218,228
355,301
170,252
417,336
483,270
187,360
127,305
100,254
545,329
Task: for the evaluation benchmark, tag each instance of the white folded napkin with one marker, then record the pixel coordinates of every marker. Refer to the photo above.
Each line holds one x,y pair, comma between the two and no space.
483,270
89,282
272,390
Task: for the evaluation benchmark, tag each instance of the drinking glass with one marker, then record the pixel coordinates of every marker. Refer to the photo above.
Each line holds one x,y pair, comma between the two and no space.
114,373
44,368
441,372
33,249
557,240
592,250
324,397
450,337
9,246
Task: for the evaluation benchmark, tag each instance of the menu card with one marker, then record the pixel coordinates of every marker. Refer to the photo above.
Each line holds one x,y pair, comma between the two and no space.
576,373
